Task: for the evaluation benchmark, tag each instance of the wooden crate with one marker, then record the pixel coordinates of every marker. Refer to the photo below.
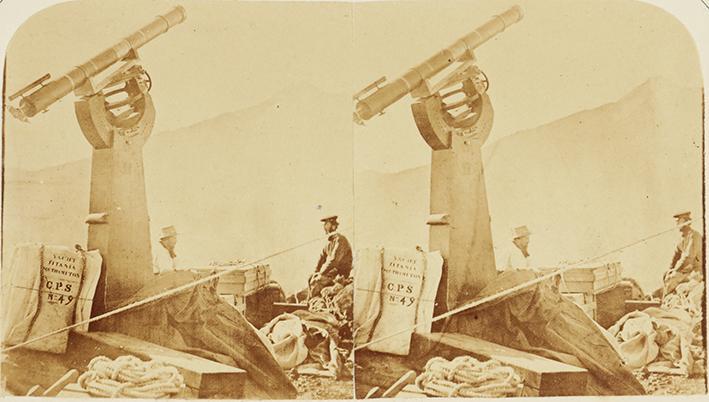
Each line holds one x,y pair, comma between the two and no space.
586,301
237,301
241,281
578,298
611,303
590,309
589,279
257,306
640,305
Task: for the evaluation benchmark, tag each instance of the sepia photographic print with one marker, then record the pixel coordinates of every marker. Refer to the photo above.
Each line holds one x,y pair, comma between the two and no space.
353,200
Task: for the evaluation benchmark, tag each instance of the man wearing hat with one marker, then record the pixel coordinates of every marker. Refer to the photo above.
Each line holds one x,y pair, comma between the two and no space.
335,259
168,240
688,258
519,257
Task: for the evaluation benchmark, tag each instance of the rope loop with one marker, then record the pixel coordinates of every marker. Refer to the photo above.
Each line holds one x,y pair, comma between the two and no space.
128,376
465,376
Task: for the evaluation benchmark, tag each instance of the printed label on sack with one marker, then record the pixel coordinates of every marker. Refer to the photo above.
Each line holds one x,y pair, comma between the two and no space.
62,270
61,277
402,277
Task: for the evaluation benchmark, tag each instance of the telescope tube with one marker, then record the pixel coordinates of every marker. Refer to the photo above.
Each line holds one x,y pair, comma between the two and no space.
57,89
392,92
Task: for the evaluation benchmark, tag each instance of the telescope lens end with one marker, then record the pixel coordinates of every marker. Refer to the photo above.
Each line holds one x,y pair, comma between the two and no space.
182,12
519,10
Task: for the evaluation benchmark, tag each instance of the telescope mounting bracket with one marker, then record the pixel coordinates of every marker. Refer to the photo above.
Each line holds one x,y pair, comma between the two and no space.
457,104
117,103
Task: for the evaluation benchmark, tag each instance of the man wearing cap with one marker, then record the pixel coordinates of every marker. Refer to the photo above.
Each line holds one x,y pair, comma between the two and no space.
168,240
688,258
335,259
519,257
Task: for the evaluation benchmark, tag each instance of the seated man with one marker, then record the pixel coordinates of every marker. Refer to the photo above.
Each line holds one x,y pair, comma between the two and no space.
519,257
688,257
166,259
335,259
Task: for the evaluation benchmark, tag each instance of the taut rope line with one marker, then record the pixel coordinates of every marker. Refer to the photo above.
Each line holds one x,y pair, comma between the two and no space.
169,292
513,289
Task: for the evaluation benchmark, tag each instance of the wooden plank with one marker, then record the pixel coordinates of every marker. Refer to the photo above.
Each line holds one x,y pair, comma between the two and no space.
578,298
402,382
73,390
528,391
590,309
36,390
69,377
259,273
279,308
207,377
585,287
549,377
640,305
583,274
409,392
240,289
589,279
381,369
262,277
372,393
22,369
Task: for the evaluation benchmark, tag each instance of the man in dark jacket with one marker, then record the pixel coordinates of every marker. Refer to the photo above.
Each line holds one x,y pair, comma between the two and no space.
335,259
688,258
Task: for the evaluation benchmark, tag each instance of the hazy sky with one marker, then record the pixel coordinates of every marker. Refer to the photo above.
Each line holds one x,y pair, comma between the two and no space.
564,56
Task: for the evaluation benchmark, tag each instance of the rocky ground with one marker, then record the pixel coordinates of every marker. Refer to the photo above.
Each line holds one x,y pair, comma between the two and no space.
668,384
315,387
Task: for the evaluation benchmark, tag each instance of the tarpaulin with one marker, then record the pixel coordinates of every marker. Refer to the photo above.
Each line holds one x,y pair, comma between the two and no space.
288,338
198,319
538,318
667,338
307,341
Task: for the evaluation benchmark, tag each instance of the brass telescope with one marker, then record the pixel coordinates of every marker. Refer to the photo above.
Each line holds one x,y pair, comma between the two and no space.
380,99
46,95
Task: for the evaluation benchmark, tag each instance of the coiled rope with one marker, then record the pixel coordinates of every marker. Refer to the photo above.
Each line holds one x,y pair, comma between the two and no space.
130,377
465,376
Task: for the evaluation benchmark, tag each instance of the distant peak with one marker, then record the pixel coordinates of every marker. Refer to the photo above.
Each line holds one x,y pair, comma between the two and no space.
652,89
658,85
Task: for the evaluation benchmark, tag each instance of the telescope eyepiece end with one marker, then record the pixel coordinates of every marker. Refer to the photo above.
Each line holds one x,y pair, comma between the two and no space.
18,114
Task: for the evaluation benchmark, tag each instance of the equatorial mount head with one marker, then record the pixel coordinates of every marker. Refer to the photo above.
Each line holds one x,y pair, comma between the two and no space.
456,105
121,95
118,106
124,96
